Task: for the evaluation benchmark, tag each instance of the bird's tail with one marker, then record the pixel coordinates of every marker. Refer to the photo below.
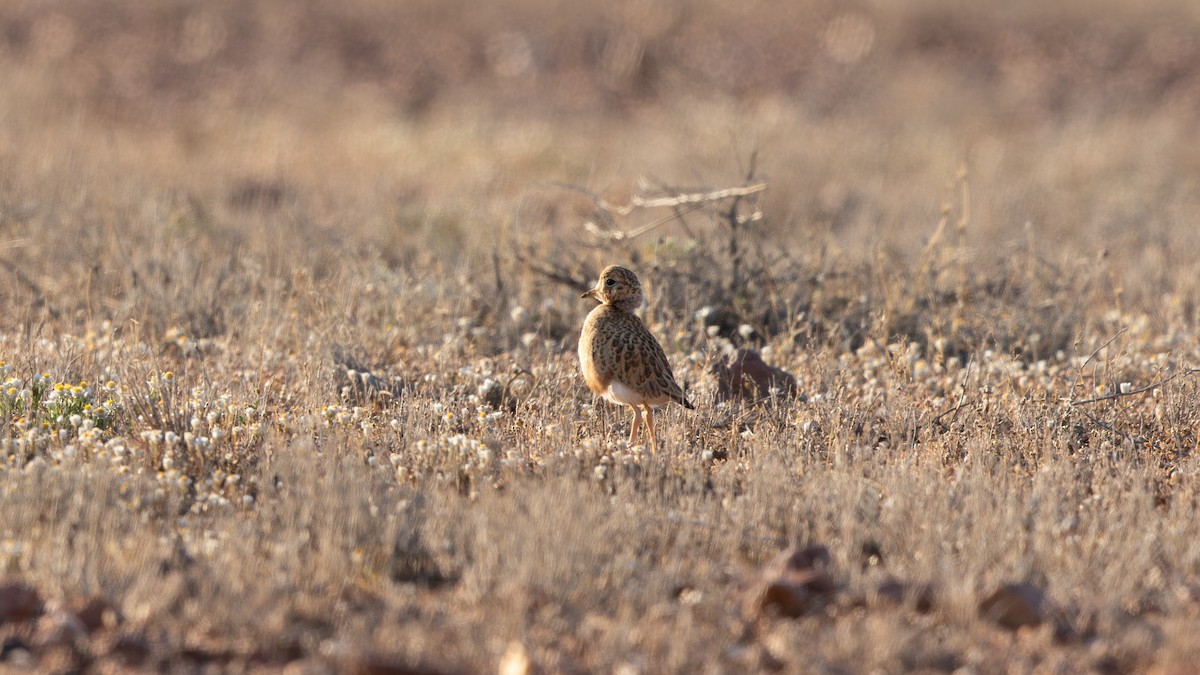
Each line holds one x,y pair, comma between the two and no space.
682,400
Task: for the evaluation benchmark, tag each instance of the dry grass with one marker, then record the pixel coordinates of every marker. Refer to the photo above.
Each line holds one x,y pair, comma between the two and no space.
302,277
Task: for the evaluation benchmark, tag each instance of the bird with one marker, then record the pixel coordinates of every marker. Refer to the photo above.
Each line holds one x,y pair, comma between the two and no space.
620,358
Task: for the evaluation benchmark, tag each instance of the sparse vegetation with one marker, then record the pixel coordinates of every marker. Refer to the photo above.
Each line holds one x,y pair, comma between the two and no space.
291,300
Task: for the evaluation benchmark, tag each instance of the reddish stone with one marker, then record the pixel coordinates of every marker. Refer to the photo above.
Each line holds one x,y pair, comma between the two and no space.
98,613
745,375
792,583
19,602
891,592
1013,606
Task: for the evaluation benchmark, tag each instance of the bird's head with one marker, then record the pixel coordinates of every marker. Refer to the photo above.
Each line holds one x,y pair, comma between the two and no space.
618,287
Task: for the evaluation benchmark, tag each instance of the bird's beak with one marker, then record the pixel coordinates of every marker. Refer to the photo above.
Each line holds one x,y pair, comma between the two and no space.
591,294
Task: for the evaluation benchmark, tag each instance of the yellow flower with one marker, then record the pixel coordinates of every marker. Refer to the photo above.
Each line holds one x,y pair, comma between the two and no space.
168,376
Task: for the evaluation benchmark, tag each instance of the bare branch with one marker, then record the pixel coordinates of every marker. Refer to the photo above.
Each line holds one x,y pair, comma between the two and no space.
1136,441
1135,392
705,196
39,299
621,235
558,275
962,398
680,201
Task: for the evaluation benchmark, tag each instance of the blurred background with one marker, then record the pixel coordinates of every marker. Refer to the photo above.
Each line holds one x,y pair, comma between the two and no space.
191,65
445,125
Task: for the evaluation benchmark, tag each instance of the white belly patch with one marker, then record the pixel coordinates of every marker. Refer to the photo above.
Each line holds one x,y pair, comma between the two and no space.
619,393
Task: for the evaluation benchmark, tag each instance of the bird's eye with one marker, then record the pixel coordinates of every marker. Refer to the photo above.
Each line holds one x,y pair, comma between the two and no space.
610,282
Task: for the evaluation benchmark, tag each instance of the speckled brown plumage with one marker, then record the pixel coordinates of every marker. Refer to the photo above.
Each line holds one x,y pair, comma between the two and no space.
620,359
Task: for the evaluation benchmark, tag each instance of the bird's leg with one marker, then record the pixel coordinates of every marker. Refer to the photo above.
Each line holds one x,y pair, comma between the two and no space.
633,427
650,427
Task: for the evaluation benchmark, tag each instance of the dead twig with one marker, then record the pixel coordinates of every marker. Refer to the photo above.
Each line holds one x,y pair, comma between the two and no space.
1097,350
681,201
1136,441
673,198
622,235
1106,343
735,220
558,274
39,296
962,399
1134,392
